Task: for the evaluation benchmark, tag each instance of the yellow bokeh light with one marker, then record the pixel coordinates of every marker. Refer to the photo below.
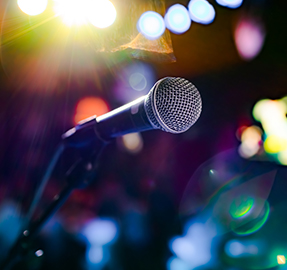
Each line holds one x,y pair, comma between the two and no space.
275,144
282,157
102,13
32,7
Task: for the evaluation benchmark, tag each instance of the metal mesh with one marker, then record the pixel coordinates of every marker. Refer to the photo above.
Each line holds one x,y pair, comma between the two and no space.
173,105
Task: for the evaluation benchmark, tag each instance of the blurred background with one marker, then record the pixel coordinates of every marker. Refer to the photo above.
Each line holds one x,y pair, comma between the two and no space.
214,197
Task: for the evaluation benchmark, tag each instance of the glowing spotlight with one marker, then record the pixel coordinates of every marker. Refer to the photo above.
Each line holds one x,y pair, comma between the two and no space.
177,19
151,25
281,259
102,13
201,11
249,38
230,3
32,7
90,106
72,12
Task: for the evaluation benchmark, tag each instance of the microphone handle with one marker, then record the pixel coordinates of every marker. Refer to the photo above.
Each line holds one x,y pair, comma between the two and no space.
126,119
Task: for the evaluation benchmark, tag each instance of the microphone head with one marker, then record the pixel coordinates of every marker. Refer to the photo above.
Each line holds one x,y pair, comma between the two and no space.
173,105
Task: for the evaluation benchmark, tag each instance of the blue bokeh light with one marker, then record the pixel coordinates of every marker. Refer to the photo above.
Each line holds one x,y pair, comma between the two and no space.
151,25
177,19
101,231
201,11
230,3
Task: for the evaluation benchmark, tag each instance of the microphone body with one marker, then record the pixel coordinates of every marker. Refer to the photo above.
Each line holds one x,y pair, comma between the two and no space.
172,105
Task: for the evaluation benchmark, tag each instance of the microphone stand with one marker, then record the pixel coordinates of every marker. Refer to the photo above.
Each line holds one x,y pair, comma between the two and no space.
80,175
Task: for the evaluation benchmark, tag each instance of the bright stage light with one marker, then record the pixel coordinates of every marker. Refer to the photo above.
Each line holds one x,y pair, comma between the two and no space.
32,7
230,3
151,25
102,13
177,19
73,12
201,11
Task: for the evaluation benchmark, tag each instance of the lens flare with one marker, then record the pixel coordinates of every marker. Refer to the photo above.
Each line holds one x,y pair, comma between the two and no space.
177,19
151,25
201,11
32,7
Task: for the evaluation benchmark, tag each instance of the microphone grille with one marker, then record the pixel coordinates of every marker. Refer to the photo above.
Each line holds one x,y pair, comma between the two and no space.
173,105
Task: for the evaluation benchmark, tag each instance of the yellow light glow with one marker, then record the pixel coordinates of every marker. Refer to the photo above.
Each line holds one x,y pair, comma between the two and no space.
282,157
32,7
102,13
275,144
133,142
281,259
72,12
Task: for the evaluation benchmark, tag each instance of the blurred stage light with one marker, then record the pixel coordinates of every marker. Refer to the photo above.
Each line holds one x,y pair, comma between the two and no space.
236,249
101,13
249,38
281,259
201,11
39,253
133,142
272,115
101,231
177,19
72,12
251,139
177,264
90,106
33,7
95,255
183,248
151,25
230,3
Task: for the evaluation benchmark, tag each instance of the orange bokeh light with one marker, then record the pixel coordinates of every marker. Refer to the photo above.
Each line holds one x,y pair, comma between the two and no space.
90,106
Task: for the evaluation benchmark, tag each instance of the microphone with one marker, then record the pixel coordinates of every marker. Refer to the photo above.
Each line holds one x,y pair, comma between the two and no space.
172,105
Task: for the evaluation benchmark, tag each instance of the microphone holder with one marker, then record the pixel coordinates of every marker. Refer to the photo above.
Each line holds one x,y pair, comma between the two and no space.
80,175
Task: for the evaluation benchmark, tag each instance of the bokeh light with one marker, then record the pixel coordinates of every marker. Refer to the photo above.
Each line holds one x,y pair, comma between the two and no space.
230,3
201,11
175,263
101,231
90,106
272,115
249,38
251,139
32,7
133,143
235,248
101,13
151,25
177,19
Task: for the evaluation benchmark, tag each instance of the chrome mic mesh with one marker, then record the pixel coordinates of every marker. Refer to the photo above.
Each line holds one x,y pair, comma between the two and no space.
173,105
